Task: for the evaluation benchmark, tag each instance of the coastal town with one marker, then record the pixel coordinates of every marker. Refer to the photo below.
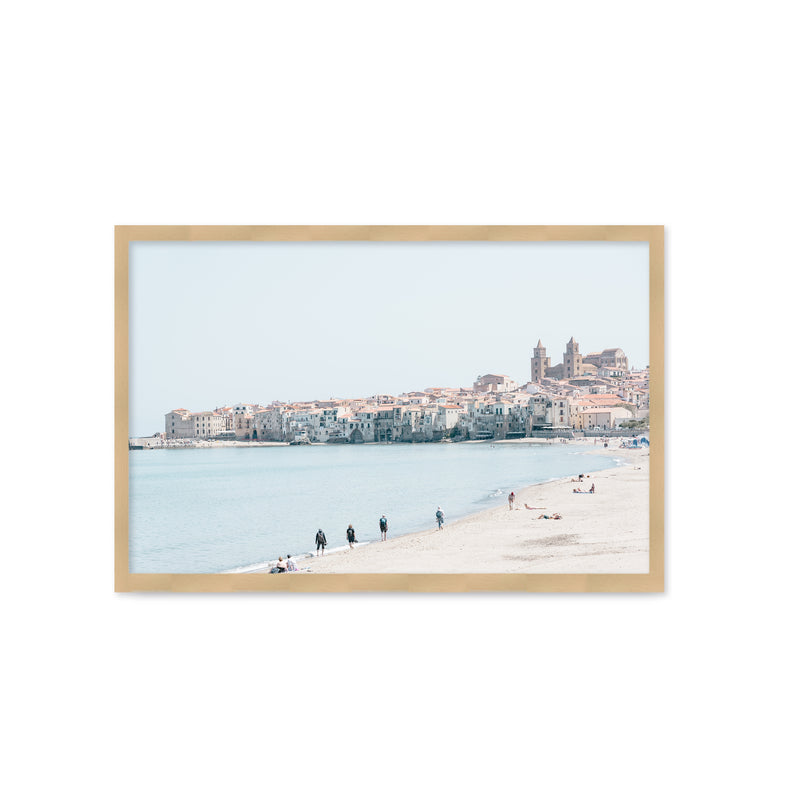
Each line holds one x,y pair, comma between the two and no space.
596,394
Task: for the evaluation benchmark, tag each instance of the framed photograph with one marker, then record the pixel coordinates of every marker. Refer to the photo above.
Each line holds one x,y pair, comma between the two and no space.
389,408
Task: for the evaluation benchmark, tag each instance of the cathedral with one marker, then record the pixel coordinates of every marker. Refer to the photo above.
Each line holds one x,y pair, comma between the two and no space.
575,365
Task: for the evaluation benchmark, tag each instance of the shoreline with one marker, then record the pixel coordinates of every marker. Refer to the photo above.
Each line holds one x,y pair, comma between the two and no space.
605,532
189,444
305,559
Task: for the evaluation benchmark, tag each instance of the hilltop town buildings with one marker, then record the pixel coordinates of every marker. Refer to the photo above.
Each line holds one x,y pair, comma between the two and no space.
591,393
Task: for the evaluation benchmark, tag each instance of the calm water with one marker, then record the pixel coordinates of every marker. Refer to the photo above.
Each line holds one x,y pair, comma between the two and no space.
216,509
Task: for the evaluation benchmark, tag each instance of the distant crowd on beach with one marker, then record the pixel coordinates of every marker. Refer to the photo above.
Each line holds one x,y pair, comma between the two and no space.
555,515
579,479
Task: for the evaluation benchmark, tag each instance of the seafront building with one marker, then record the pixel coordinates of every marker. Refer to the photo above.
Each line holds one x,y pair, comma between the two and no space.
183,424
581,395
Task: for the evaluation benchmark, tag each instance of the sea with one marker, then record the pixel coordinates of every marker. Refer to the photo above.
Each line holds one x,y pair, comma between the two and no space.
236,509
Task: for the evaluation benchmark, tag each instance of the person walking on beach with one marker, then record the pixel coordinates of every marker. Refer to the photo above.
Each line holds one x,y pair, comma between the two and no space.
351,535
384,526
511,499
440,517
321,541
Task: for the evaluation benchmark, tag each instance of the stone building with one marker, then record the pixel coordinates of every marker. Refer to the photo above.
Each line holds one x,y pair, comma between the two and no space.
603,418
571,366
573,360
540,363
449,415
611,358
178,424
612,361
243,426
494,383
539,413
387,419
183,424
269,424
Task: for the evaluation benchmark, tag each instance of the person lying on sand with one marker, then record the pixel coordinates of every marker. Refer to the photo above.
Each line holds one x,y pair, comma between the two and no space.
551,516
534,508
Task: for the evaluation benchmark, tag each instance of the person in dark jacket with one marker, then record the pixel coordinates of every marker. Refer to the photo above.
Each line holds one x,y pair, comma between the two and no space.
351,535
321,541
384,526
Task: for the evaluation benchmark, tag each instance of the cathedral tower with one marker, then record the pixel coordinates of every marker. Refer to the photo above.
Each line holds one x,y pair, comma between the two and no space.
539,363
573,360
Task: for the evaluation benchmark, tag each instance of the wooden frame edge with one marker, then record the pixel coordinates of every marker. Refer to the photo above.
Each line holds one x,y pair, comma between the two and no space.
652,582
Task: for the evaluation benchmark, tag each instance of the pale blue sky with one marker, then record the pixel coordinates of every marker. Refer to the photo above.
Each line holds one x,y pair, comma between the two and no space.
217,323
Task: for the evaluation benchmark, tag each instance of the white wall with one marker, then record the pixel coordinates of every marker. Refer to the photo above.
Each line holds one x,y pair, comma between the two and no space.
419,113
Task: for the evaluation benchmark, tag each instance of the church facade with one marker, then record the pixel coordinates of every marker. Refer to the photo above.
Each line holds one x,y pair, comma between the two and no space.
574,364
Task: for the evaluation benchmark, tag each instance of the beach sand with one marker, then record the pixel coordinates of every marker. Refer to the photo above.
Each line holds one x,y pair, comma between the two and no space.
605,532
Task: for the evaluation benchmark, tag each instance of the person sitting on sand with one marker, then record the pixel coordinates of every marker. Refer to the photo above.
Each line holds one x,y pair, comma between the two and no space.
551,516
290,565
591,491
321,541
280,566
351,535
533,508
440,517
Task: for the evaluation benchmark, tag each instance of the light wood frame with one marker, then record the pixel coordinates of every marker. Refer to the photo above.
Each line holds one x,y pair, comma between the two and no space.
653,581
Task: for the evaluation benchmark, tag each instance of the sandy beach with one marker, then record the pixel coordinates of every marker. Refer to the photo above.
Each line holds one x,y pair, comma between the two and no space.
604,532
